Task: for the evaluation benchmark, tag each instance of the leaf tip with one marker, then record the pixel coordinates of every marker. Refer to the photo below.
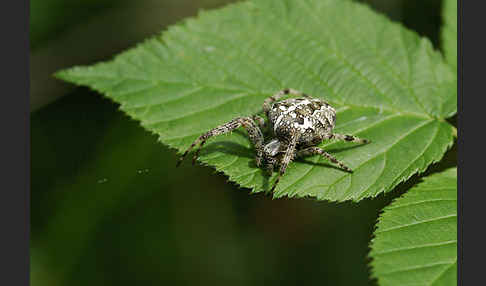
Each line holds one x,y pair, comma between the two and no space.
66,74
60,74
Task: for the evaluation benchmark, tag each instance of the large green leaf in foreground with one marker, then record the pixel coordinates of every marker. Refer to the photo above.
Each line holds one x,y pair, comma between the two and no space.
416,237
387,83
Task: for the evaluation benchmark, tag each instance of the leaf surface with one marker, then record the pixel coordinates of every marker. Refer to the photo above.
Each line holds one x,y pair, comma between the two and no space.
387,84
416,237
449,31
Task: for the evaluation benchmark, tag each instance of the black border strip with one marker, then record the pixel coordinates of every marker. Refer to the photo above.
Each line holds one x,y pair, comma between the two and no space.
15,128
471,186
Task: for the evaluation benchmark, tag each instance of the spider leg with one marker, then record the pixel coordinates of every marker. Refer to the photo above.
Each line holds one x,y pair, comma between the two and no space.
288,157
254,133
260,121
318,151
269,166
350,138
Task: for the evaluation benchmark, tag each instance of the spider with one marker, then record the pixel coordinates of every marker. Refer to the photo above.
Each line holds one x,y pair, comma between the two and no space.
296,125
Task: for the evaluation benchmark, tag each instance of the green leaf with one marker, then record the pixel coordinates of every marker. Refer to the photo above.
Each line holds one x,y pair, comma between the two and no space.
416,238
387,84
449,32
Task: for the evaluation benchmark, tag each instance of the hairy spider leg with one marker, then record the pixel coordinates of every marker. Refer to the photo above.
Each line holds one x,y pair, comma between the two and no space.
260,121
270,165
288,157
254,133
318,151
349,138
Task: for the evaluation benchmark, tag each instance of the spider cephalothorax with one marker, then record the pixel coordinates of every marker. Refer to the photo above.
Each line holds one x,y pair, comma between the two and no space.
296,125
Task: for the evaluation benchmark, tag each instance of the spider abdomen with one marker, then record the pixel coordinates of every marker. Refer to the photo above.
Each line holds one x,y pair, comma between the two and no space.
312,118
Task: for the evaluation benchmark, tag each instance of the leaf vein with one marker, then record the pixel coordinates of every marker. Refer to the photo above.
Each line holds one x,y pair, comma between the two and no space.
415,223
388,251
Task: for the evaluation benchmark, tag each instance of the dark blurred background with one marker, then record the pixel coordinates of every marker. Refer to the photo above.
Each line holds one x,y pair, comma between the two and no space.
108,206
